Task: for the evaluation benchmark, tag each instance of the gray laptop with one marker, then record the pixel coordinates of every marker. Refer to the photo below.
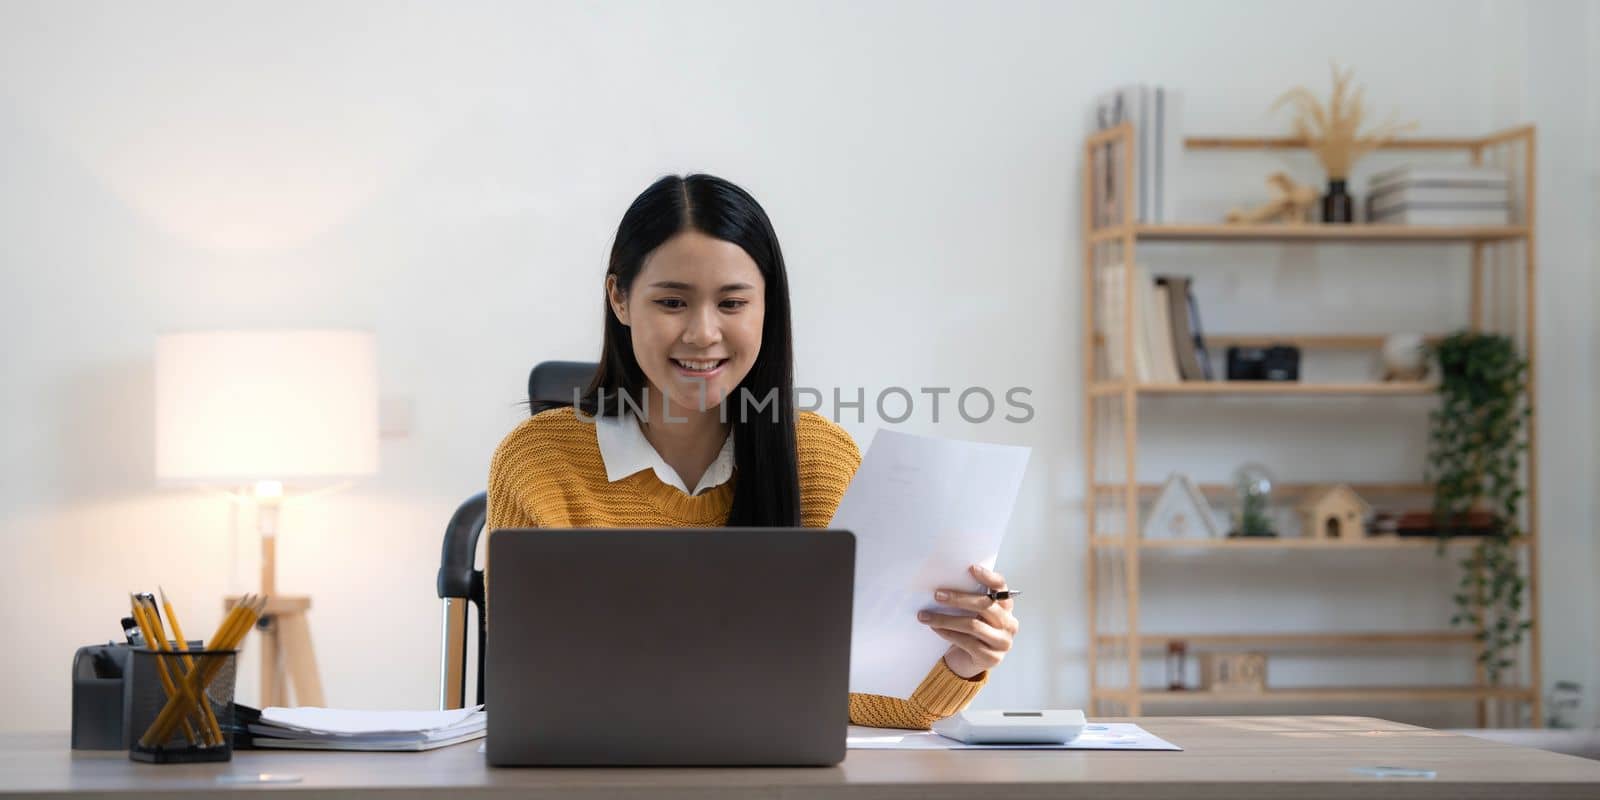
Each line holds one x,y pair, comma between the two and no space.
716,647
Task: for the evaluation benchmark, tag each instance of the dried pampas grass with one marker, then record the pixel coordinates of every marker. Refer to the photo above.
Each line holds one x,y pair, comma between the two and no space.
1333,132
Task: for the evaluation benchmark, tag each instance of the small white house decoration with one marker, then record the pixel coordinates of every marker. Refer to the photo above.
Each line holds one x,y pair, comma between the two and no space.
1180,512
1334,513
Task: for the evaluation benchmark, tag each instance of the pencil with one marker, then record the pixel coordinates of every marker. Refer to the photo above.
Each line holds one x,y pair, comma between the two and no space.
188,664
198,681
233,628
175,671
152,637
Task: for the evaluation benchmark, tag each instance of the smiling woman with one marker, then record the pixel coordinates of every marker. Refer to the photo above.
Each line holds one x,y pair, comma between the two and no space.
696,315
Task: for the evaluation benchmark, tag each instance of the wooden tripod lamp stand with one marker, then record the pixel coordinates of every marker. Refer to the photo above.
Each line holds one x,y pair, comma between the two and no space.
274,411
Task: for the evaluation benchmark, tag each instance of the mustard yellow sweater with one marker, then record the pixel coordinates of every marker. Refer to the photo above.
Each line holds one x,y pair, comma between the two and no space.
548,473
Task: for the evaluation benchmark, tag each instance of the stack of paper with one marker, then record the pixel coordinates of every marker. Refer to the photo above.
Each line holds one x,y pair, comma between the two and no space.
340,729
1440,195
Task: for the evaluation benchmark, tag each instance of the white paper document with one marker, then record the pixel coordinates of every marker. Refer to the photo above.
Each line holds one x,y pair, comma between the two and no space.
922,510
312,728
1095,736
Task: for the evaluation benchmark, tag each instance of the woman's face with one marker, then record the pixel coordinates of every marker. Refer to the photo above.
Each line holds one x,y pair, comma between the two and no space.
694,313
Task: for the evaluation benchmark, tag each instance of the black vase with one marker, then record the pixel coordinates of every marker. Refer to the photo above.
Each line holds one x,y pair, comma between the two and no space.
1337,204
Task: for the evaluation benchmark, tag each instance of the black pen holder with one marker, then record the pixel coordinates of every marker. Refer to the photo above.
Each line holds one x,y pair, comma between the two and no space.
180,705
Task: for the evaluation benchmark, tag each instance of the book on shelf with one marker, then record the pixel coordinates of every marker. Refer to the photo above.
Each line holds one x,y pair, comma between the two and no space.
1440,175
1405,194
1114,300
1188,343
1441,215
1158,321
1108,282
1168,345
1156,114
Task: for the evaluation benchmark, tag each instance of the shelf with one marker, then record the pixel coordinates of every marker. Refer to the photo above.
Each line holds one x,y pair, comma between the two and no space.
1285,491
1467,143
1305,341
1294,640
1274,388
1388,694
1295,143
1273,543
1314,232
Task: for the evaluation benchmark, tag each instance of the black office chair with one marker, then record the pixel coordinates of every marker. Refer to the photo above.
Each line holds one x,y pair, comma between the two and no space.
551,384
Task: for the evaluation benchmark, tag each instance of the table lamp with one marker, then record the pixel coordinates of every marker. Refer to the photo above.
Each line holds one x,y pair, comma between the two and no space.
269,414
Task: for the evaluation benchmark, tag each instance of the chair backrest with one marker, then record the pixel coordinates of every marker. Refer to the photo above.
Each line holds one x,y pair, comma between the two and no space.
551,384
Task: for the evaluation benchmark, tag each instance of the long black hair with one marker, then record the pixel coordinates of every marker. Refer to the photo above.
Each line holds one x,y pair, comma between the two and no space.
766,478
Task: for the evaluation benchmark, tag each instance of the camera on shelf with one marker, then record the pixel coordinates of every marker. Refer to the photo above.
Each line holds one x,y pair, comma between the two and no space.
1275,363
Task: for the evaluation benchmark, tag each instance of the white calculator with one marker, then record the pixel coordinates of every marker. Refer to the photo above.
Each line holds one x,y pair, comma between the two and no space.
1050,726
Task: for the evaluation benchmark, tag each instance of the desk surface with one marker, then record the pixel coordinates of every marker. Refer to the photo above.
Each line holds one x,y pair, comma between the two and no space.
1243,757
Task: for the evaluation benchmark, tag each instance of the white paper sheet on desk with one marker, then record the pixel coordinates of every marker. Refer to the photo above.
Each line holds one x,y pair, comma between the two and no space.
354,722
922,510
1095,736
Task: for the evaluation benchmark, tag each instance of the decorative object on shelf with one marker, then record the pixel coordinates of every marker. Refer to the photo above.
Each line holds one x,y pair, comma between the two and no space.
1275,363
1181,512
1177,654
1474,463
1233,672
1440,195
1405,357
1253,486
1333,134
1562,705
1384,523
1424,523
1291,203
1334,513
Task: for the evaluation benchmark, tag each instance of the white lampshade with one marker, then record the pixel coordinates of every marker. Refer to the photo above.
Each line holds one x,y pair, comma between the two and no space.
237,407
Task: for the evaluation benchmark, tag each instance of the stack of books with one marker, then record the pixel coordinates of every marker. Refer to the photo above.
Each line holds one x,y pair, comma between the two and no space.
1460,195
1168,344
1156,114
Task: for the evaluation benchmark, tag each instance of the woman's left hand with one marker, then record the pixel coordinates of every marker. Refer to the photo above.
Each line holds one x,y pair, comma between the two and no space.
976,643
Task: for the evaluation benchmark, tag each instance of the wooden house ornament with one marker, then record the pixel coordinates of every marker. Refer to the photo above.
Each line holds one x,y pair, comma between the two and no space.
1233,672
1334,513
1180,512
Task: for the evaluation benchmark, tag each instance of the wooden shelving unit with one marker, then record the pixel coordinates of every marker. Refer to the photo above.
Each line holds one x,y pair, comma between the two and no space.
1274,543
1323,233
1299,640
1502,261
1401,388
1330,694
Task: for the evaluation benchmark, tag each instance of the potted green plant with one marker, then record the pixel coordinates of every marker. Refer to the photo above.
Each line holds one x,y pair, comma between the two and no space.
1474,464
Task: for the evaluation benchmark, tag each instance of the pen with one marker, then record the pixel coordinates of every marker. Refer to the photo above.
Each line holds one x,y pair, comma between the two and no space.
130,631
1006,594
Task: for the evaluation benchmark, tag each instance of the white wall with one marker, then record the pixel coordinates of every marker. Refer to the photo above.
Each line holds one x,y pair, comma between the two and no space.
451,177
1593,139
1559,52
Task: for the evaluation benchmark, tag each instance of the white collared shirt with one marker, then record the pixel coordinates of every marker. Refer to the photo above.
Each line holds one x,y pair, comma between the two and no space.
625,452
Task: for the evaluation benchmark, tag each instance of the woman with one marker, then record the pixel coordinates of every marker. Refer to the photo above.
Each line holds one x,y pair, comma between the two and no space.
696,389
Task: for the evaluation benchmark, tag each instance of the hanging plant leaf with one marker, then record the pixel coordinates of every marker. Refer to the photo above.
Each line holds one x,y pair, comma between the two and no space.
1474,462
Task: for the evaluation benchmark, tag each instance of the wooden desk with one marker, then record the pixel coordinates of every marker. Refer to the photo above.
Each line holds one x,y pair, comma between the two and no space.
1302,758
